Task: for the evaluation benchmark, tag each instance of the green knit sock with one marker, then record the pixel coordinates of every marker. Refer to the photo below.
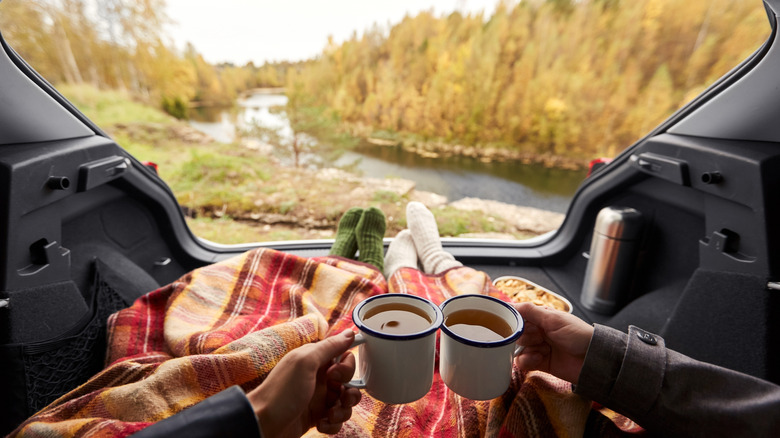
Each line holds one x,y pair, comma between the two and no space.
346,244
370,232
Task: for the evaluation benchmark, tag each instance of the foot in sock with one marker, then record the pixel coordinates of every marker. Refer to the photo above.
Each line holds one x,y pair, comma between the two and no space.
425,233
369,232
346,239
401,253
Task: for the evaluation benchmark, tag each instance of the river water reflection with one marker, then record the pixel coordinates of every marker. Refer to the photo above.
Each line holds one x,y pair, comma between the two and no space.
454,177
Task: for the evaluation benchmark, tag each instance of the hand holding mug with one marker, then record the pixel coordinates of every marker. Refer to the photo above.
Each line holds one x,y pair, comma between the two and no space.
306,388
554,341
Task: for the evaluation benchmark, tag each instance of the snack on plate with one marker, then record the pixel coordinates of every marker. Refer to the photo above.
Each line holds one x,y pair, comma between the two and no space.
522,291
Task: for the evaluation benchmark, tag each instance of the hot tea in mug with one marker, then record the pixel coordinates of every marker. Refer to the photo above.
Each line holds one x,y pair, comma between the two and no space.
478,325
397,318
478,345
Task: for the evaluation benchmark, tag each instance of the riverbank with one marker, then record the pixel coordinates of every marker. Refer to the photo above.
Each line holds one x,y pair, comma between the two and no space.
453,175
441,149
302,204
238,193
428,148
487,154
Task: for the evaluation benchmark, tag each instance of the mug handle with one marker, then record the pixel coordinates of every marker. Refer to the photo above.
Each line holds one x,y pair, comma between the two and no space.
355,383
518,349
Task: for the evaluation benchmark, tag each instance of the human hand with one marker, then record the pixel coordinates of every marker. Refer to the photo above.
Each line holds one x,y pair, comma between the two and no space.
306,389
555,341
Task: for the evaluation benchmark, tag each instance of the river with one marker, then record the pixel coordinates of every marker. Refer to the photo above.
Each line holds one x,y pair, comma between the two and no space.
454,177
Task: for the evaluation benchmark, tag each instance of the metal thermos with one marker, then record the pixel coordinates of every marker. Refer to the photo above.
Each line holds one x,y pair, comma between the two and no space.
613,252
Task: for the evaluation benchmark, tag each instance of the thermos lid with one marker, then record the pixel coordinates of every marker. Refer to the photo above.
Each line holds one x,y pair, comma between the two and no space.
623,223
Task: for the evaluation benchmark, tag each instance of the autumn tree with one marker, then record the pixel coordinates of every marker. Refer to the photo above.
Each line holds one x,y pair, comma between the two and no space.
310,135
553,77
120,44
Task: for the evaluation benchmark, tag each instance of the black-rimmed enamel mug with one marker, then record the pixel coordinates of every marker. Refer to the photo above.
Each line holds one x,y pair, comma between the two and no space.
396,364
475,359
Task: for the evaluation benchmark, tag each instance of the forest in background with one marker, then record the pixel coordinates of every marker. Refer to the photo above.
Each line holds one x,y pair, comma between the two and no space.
556,77
550,77
122,45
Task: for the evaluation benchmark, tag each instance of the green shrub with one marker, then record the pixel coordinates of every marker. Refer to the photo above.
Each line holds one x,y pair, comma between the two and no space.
175,106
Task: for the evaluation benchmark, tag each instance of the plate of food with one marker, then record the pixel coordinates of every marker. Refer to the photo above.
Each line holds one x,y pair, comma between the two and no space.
521,290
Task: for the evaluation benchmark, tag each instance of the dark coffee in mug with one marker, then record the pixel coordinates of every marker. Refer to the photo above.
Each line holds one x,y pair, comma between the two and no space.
397,319
478,325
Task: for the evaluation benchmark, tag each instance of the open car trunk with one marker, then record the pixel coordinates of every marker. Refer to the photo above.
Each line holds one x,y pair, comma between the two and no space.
77,211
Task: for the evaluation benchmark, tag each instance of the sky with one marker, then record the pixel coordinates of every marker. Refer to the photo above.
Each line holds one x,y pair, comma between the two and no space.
260,31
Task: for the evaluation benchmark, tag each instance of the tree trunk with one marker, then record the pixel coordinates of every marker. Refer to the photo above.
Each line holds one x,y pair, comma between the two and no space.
69,67
296,151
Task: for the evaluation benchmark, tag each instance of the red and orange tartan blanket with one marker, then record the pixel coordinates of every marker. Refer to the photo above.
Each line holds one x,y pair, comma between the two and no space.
229,323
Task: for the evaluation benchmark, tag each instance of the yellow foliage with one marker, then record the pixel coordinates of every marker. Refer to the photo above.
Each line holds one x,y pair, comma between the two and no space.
554,108
66,44
581,80
576,78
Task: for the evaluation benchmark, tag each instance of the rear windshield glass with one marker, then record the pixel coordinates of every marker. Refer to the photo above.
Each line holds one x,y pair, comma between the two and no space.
490,115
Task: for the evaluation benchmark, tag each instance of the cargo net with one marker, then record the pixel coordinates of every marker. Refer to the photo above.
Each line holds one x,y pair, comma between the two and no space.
56,367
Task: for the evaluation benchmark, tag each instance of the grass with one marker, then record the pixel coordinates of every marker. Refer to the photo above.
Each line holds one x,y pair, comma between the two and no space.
454,222
228,231
385,196
218,178
109,107
225,230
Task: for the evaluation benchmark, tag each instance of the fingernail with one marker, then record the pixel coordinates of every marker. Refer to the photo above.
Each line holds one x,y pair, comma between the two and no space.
348,333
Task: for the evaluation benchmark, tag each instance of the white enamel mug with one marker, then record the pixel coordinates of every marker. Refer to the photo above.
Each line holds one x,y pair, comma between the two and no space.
475,369
396,368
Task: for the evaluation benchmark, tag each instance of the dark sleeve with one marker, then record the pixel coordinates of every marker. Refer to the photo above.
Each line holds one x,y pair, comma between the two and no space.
671,394
227,413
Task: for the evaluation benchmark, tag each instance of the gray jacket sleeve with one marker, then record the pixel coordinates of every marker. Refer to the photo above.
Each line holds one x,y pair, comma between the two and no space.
671,394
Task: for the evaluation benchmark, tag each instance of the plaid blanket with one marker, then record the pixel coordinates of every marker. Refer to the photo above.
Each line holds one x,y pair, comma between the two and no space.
229,323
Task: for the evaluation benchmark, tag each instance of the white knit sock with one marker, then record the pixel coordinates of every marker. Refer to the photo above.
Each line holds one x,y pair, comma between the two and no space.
425,233
400,254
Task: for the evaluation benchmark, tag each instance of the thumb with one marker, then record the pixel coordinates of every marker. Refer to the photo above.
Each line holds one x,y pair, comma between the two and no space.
530,312
333,346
